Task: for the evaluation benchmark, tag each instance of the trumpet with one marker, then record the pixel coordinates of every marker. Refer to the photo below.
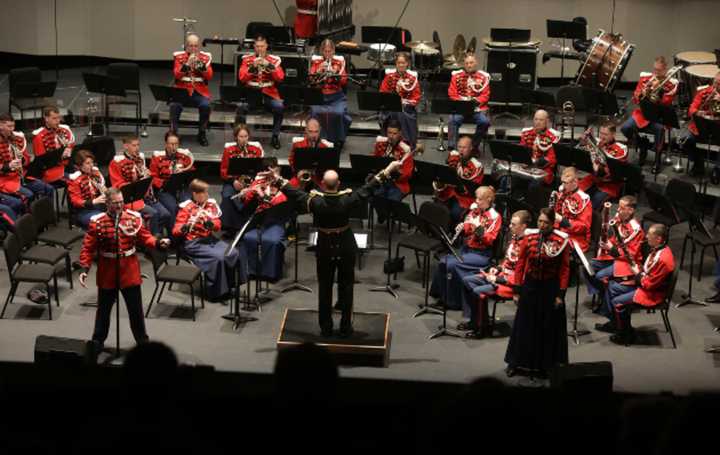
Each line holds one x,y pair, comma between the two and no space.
98,182
204,213
263,65
653,92
592,146
17,153
305,175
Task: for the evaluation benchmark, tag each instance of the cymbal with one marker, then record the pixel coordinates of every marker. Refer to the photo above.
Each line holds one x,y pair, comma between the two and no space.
459,47
415,44
425,50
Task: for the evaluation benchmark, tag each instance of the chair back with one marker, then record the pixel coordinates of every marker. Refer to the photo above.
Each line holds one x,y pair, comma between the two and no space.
43,212
12,248
667,299
158,258
683,196
23,75
127,73
26,230
661,204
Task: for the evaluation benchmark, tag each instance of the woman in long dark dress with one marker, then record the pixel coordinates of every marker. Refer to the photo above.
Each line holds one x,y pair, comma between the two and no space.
539,337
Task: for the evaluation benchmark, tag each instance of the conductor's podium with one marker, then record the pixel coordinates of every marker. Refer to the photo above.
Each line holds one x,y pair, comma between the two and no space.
369,344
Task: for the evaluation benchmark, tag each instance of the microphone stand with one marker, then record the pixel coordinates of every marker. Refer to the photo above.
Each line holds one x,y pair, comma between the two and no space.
117,284
234,315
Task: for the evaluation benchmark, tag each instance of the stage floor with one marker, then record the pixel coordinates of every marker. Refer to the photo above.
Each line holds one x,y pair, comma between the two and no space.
652,366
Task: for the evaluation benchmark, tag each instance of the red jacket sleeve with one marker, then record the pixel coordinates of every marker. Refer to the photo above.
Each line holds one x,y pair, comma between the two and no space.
224,165
146,238
638,90
581,224
519,276
208,73
343,77
379,149
657,278
406,171
116,177
452,89
385,86
291,159
484,96
278,74
157,181
565,267
551,158
38,145
89,246
177,69
244,73
696,103
180,220
76,197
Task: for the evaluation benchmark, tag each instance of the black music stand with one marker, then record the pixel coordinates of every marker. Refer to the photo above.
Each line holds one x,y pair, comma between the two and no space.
537,98
664,115
565,154
300,95
451,107
695,224
178,182
709,134
34,89
103,147
379,102
248,166
276,34
512,153
222,42
366,165
582,161
237,94
320,159
581,262
170,94
296,285
565,30
136,191
392,210
442,235
44,162
510,36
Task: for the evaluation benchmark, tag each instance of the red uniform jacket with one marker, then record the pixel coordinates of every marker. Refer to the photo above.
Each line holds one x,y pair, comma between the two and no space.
382,148
124,170
251,150
668,94
698,101
654,277
272,195
45,140
306,18
551,261
161,166
506,271
406,85
82,191
191,79
603,180
491,223
191,211
576,210
543,151
466,86
9,179
632,236
335,64
261,80
99,242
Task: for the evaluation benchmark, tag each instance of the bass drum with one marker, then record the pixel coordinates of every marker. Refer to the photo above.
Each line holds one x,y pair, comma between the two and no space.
686,60
607,59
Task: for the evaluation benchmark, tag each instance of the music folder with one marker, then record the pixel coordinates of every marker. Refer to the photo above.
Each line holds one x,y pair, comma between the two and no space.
248,166
47,160
136,191
176,182
320,159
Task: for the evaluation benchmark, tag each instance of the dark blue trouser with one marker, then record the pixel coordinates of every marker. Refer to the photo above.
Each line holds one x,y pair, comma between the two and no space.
196,100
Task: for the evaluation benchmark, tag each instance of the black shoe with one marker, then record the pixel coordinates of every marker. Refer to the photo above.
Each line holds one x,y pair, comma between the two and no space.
608,327
346,332
624,338
465,326
202,139
475,335
326,332
275,142
713,299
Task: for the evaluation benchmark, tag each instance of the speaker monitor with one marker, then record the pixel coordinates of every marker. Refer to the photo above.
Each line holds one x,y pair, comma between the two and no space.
595,376
59,351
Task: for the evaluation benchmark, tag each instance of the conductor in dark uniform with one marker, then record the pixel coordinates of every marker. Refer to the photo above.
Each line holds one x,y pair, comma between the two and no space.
336,247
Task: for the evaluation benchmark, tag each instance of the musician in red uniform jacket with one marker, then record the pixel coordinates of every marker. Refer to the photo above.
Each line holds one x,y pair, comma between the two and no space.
263,71
54,135
16,188
311,139
259,196
470,84
624,232
666,95
701,105
539,337
649,286
406,84
306,18
164,163
479,230
540,139
573,210
394,147
470,171
601,185
232,207
192,69
114,234
86,189
130,167
328,72
496,281
197,219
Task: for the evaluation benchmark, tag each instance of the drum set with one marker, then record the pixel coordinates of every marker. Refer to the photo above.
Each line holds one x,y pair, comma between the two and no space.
699,68
425,55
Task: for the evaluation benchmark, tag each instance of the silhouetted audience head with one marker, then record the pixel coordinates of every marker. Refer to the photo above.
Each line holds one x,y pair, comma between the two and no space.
306,372
151,363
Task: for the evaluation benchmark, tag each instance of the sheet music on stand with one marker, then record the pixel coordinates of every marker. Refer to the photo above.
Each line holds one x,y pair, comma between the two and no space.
583,260
360,238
